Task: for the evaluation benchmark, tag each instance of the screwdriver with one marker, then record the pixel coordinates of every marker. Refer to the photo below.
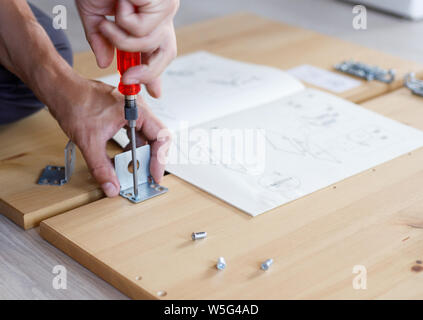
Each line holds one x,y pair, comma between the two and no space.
126,60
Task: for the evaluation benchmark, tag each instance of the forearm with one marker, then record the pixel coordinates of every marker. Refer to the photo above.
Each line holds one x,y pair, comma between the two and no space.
27,51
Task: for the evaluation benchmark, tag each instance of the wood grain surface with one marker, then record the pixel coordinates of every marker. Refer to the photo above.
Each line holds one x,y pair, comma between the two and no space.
373,219
26,147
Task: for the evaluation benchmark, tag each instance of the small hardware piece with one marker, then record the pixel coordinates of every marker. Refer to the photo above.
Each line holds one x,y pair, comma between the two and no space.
58,176
221,263
365,71
198,235
146,186
415,85
266,265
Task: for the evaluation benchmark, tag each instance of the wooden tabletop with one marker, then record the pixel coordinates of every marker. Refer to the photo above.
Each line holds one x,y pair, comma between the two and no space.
28,146
373,220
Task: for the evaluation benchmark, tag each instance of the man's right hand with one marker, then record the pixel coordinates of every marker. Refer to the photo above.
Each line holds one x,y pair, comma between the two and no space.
147,29
92,114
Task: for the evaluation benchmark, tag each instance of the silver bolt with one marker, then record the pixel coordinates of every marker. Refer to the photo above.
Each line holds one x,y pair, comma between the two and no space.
198,235
266,265
221,263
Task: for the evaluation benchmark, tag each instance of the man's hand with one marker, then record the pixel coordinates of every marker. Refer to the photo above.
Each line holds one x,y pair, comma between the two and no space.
94,115
88,111
146,28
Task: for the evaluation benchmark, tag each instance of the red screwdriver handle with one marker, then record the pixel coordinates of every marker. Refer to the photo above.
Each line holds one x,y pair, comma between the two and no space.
126,60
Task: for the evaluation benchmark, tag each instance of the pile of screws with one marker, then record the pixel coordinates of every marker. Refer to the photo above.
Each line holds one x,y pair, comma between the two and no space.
365,71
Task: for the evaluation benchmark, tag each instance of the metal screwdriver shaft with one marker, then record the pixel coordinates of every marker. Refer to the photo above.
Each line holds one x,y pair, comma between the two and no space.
134,162
131,112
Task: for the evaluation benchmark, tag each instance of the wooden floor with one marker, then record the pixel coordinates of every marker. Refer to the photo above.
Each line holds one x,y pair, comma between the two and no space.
26,265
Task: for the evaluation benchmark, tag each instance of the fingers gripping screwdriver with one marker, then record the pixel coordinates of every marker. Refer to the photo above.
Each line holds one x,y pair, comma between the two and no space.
126,60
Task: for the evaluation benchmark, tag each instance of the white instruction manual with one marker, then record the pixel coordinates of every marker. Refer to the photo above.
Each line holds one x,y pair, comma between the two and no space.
256,138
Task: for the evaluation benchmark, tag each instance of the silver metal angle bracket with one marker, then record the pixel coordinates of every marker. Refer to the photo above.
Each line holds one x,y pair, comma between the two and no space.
366,72
415,85
56,175
147,188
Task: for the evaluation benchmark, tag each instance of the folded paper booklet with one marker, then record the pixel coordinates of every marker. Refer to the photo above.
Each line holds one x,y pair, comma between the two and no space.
256,138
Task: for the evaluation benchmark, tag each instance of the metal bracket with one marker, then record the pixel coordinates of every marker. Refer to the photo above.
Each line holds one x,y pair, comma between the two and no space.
147,188
366,72
415,85
58,176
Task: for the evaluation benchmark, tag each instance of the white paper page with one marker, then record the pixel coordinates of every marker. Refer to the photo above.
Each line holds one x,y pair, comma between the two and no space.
201,86
312,140
325,79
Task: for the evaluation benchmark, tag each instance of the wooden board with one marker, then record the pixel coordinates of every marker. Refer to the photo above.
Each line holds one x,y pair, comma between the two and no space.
23,153
26,147
374,219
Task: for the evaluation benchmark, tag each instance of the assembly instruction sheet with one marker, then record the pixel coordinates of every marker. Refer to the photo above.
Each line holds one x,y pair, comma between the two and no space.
311,140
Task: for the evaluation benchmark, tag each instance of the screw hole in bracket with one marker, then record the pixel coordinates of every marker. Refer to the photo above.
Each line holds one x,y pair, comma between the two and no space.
131,168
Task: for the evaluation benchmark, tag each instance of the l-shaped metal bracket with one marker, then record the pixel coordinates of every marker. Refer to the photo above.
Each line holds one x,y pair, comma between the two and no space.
56,175
147,188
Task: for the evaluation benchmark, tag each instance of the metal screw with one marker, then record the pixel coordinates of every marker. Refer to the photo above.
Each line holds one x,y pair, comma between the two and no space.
221,263
266,265
198,235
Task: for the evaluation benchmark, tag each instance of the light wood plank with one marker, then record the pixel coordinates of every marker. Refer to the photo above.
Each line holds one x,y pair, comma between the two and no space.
26,148
372,219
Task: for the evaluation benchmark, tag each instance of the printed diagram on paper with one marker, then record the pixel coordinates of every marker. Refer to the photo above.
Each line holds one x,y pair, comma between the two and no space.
312,140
